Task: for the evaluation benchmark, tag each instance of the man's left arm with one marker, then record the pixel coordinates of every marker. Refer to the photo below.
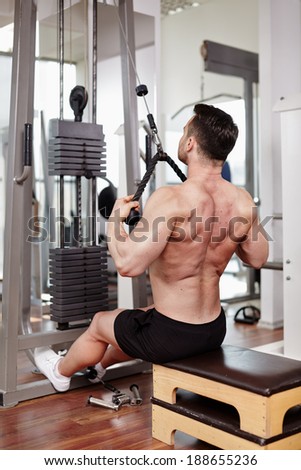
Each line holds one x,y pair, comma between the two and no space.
134,252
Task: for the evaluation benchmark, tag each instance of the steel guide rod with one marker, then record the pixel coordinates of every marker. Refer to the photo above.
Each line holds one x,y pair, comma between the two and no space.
94,120
61,71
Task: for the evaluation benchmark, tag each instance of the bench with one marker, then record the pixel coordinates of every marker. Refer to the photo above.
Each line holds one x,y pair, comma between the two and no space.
231,398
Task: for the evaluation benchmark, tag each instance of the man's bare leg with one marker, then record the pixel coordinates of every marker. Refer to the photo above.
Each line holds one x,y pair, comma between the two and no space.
112,356
89,348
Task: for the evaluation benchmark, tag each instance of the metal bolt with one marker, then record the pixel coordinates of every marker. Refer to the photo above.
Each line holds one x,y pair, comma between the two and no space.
103,403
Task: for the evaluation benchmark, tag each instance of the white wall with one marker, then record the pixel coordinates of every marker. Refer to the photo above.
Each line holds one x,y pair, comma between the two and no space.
280,76
230,22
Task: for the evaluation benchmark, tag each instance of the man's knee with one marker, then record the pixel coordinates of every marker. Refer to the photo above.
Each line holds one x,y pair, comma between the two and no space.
102,325
100,317
96,323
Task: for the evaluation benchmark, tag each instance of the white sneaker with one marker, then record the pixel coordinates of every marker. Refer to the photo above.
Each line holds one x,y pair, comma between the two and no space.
97,372
46,361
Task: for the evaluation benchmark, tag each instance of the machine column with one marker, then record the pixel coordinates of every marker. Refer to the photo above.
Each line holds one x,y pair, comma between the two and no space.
17,277
132,152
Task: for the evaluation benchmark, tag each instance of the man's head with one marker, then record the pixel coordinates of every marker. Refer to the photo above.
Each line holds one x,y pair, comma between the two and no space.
213,131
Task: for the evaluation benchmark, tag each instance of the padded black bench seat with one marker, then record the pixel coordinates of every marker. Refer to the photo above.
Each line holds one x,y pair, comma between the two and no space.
243,368
261,387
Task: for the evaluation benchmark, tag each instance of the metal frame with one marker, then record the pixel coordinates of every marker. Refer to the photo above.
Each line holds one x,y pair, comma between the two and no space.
16,300
132,152
15,334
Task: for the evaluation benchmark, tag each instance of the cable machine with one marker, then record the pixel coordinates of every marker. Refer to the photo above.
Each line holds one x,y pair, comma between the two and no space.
85,142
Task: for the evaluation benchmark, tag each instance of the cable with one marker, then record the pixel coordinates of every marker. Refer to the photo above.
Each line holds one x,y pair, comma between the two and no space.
129,52
61,55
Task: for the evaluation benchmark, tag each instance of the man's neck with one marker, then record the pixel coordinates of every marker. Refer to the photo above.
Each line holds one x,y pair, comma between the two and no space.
202,168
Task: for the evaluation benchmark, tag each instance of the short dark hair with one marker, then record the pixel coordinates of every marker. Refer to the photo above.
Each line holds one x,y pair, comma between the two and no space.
214,130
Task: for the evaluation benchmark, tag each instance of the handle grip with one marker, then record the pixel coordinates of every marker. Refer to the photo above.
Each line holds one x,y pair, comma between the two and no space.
133,217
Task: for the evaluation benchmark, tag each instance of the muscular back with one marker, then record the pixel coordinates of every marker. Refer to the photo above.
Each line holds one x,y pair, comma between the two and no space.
185,239
209,220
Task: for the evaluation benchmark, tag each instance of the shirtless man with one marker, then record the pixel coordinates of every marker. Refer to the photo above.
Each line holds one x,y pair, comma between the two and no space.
185,239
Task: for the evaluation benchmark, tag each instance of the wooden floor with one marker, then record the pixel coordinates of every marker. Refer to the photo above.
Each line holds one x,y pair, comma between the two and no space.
67,421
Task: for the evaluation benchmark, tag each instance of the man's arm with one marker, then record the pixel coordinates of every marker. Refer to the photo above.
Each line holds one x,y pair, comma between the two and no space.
254,250
134,252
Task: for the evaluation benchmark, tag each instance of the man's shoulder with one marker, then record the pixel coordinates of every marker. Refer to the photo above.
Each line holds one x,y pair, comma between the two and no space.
166,192
166,200
245,196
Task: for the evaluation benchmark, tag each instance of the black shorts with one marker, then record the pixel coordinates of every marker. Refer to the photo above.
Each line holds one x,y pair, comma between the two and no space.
156,338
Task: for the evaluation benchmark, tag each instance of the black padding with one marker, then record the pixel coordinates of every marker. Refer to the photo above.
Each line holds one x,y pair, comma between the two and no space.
258,372
106,200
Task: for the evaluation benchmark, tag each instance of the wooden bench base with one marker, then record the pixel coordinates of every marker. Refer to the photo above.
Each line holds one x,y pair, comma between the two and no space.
257,388
218,425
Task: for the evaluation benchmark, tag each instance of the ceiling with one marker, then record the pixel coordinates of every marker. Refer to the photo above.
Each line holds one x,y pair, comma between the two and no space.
171,7
108,44
167,7
74,41
75,37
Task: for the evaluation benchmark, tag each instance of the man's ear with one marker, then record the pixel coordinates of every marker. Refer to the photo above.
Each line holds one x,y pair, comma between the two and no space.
190,143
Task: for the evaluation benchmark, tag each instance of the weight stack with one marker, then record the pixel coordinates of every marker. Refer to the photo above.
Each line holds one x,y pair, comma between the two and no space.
78,283
76,149
78,275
